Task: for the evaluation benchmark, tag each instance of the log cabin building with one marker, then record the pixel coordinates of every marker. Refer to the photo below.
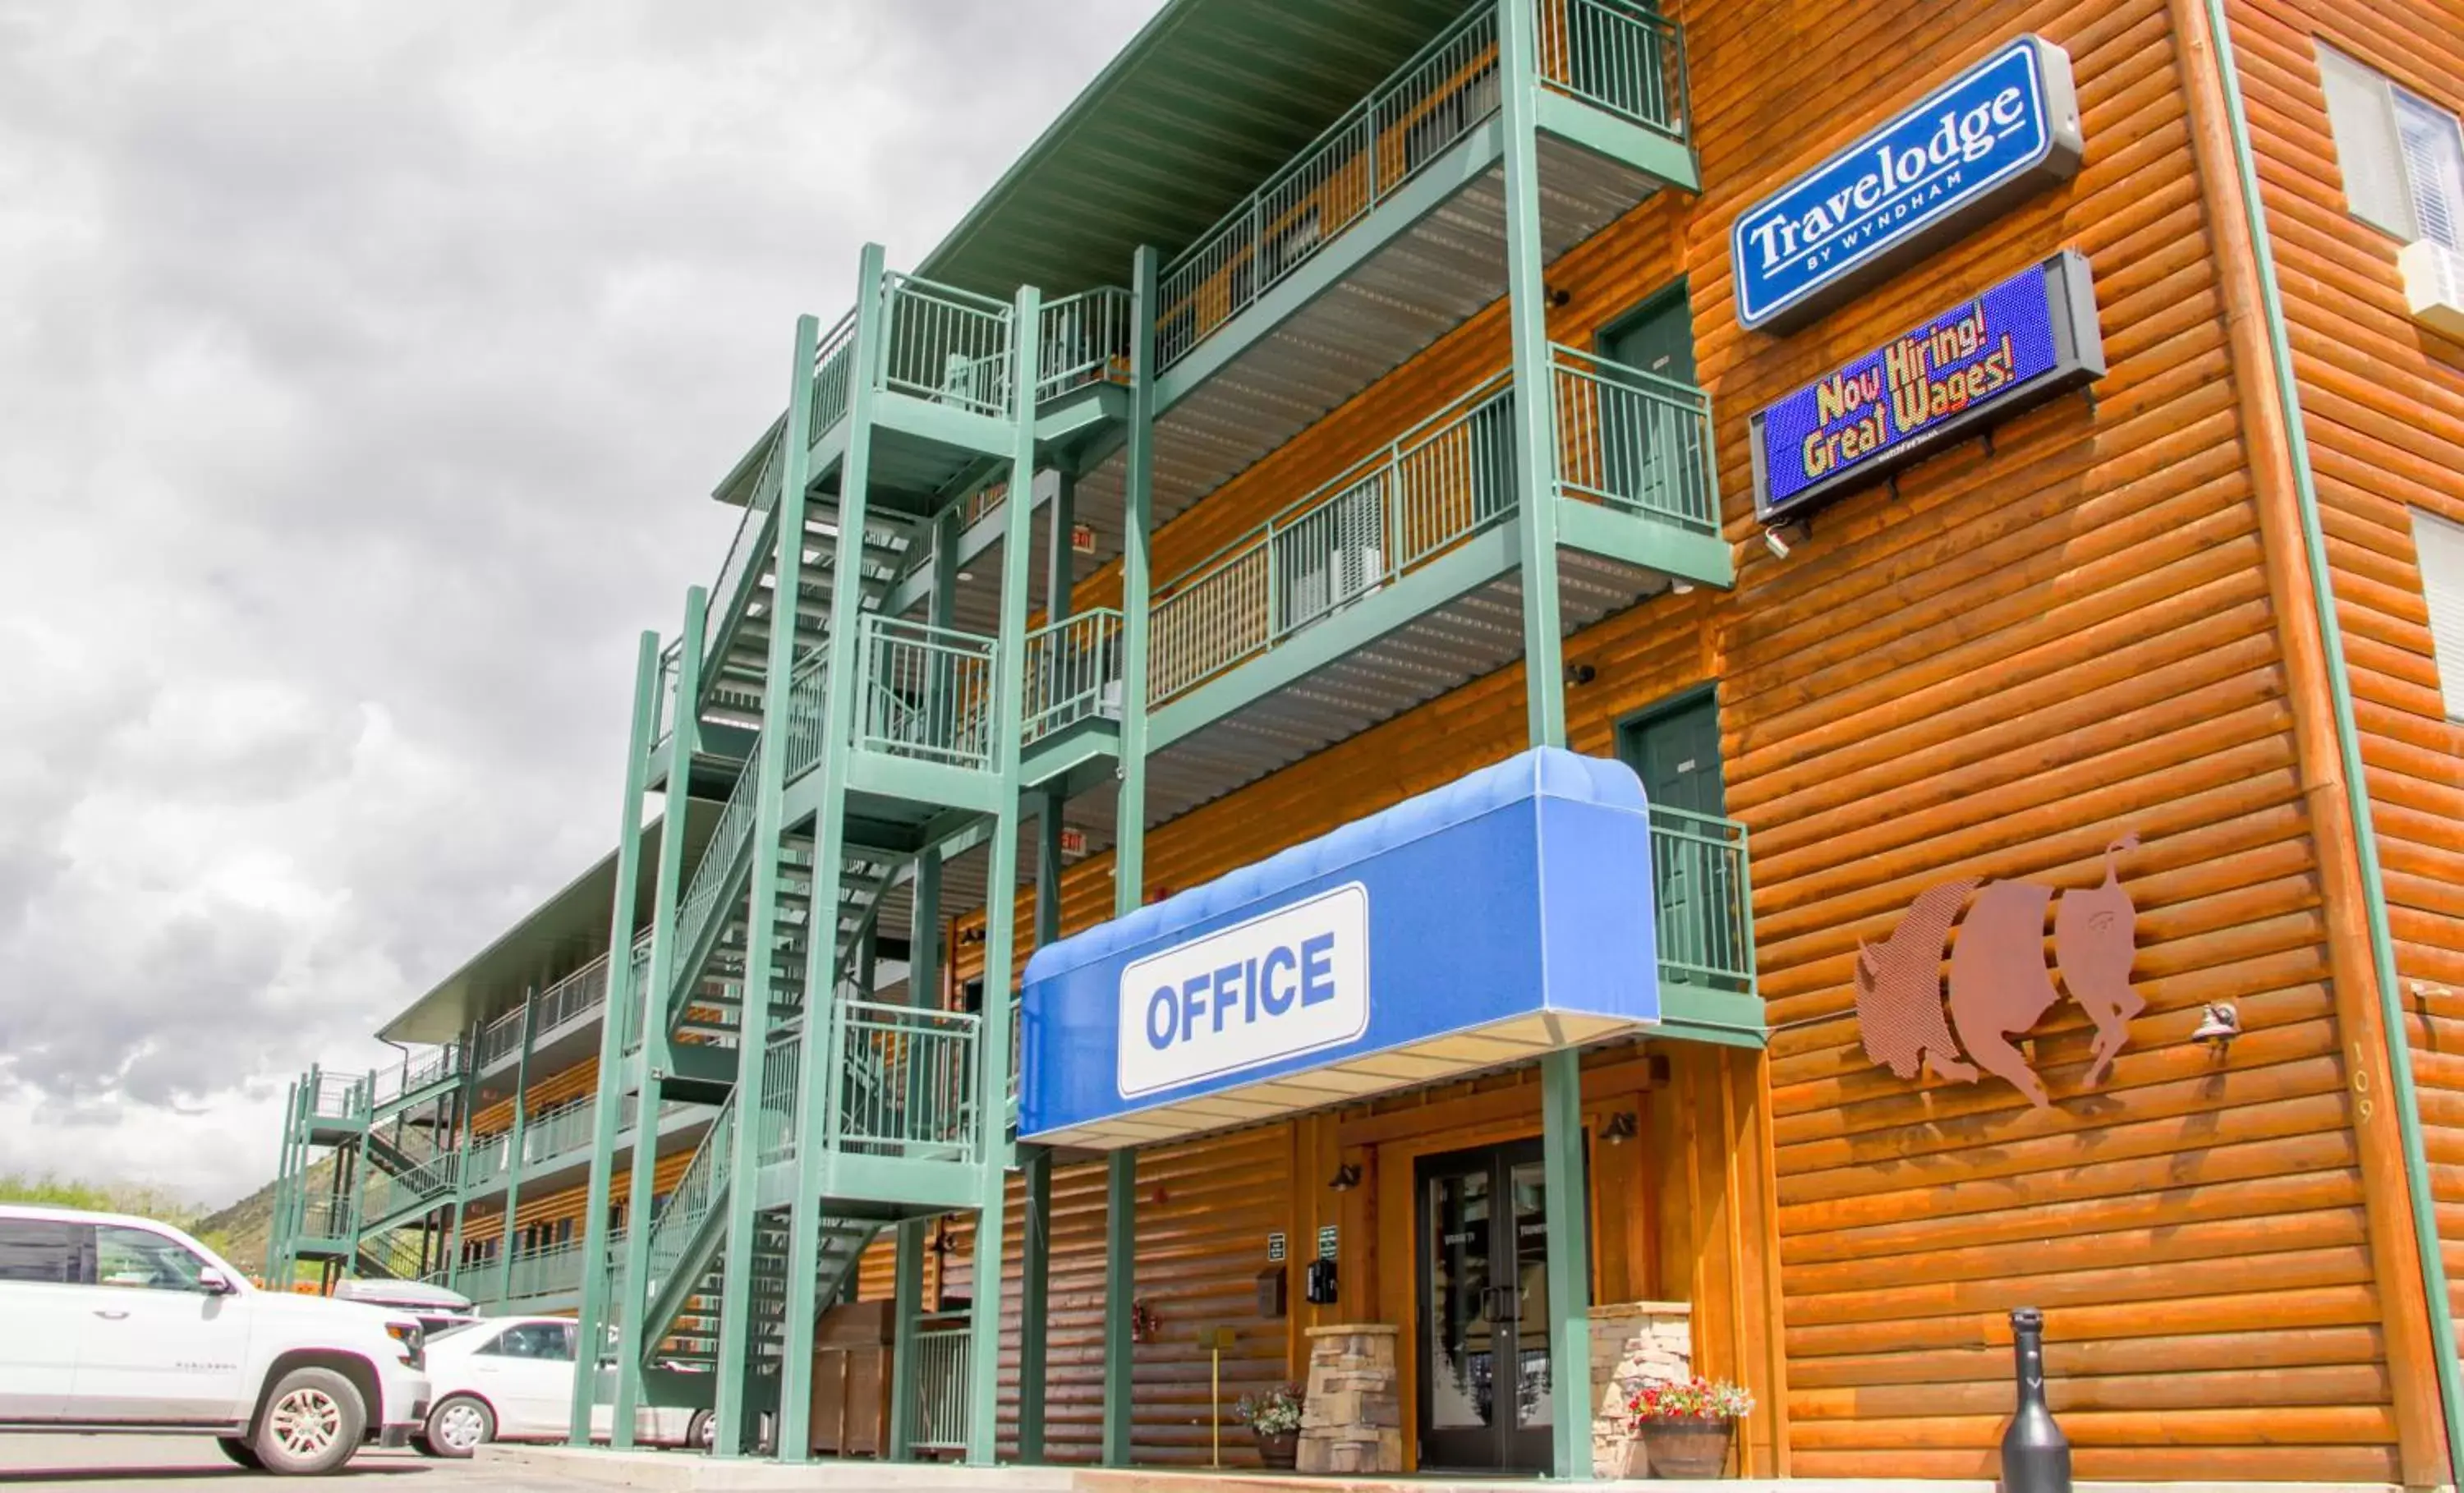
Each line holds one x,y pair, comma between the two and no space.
1987,473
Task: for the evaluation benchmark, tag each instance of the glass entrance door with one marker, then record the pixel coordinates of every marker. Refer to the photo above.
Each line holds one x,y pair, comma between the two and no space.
1486,1397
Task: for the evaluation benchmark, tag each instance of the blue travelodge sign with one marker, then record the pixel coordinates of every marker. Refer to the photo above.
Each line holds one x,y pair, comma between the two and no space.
1997,132
2019,343
1504,915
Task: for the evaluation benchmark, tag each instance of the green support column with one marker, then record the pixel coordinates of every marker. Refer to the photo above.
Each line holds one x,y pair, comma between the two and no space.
1000,901
1561,1079
1130,821
282,1231
1035,1162
1570,1262
905,1306
465,1105
816,1084
653,1061
608,1115
735,1417
1534,425
514,1140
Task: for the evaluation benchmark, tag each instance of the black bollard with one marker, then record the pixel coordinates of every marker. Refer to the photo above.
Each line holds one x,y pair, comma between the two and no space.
2035,1456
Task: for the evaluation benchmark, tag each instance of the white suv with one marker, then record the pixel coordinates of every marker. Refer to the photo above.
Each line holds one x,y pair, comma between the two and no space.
117,1324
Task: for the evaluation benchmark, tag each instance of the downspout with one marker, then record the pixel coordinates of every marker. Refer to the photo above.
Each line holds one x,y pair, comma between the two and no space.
2348,747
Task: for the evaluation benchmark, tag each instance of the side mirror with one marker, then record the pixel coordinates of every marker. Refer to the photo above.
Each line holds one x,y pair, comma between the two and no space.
213,1283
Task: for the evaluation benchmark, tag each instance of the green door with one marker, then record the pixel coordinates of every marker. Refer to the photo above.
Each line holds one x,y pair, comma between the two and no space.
1651,439
1675,752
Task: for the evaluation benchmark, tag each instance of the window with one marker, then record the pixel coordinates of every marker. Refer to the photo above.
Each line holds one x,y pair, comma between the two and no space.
40,1252
2440,543
2402,156
550,1341
143,1259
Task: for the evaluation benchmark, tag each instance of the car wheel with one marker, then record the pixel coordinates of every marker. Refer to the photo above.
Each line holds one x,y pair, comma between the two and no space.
313,1423
697,1431
237,1449
459,1426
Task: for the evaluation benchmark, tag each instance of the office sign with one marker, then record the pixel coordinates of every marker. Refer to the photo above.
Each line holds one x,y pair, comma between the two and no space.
1507,914
1293,981
2003,129
2021,343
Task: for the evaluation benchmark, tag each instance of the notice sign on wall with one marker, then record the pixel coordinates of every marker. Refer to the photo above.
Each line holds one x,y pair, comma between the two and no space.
2021,343
2006,127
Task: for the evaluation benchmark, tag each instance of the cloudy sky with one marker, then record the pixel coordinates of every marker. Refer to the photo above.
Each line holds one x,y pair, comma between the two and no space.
362,371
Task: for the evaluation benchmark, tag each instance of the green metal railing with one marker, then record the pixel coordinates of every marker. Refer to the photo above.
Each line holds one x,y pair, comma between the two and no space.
1424,107
833,379
702,902
808,701
782,1066
940,1368
323,1216
906,1081
945,344
1623,438
697,1192
1084,339
1704,882
1447,478
335,1096
927,693
1074,672
1617,55
382,1195
387,1086
1634,440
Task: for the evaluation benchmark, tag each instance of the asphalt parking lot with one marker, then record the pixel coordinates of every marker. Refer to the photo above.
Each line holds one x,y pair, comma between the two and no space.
189,1462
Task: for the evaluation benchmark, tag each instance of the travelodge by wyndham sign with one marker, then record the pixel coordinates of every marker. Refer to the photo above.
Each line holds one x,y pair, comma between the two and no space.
1999,131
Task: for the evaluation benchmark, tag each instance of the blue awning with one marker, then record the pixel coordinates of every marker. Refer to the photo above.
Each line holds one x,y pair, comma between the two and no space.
1504,915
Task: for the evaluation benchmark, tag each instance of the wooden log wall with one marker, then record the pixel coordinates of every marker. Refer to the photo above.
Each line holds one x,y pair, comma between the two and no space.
2027,648
2382,404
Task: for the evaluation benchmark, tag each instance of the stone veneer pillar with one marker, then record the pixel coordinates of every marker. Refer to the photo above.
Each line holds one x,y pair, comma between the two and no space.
1635,1343
1354,1418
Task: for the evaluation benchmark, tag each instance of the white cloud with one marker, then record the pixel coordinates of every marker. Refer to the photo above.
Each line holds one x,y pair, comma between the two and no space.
362,368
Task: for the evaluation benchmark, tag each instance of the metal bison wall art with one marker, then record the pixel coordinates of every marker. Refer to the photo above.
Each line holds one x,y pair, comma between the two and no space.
1999,984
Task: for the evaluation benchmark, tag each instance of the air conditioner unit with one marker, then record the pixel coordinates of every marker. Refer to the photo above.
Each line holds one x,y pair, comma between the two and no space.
2433,286
1353,571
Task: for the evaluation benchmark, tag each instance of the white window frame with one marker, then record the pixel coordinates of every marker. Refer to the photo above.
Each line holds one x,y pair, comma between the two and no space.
2401,156
2438,547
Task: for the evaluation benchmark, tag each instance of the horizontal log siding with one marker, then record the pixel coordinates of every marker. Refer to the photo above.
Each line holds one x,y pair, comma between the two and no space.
2382,404
2023,651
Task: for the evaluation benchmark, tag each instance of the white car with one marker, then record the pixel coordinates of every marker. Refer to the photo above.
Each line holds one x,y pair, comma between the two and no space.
510,1380
110,1323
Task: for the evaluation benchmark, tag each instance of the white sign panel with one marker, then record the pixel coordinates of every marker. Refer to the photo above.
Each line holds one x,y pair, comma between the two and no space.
1292,981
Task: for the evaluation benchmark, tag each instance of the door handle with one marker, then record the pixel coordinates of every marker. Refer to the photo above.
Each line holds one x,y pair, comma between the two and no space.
110,1316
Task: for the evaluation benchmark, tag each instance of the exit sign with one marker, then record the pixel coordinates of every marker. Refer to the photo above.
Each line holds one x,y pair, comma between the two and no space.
1082,538
1073,842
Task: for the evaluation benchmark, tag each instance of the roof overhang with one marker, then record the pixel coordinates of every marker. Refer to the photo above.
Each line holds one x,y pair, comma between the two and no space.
1192,117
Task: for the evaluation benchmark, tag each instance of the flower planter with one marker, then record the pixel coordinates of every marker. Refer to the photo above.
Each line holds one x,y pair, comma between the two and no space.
1278,1449
1687,1448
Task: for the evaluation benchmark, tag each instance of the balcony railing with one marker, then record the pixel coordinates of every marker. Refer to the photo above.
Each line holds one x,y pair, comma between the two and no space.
833,376
946,345
774,1137
1626,439
1447,479
1085,340
1634,440
338,1096
388,1085
1617,56
1700,874
1424,107
906,1081
1074,672
941,1370
701,902
385,1195
323,1216
927,693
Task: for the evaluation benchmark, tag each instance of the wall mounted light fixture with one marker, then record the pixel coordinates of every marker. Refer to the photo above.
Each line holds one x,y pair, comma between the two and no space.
1619,1128
1347,1176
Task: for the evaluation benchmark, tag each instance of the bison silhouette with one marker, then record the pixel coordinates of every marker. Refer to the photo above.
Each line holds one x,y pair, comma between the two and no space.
1999,984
